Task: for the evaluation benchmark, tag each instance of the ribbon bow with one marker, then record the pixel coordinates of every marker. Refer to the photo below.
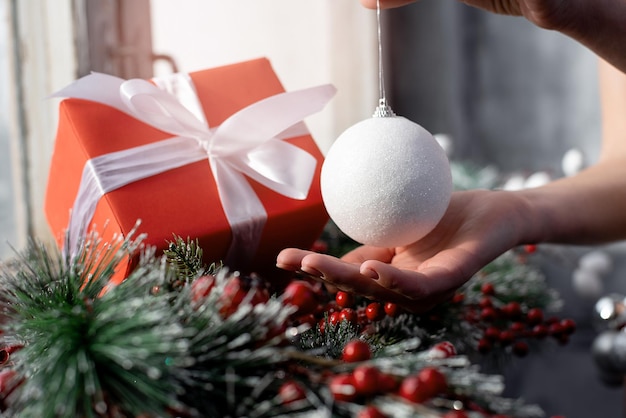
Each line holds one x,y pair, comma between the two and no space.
248,143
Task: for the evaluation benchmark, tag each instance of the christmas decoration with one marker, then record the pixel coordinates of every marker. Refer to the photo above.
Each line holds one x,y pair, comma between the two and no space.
233,129
179,338
609,347
386,182
573,162
587,277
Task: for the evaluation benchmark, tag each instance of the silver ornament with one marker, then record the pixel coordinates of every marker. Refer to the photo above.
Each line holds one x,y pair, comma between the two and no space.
610,312
587,283
609,352
598,261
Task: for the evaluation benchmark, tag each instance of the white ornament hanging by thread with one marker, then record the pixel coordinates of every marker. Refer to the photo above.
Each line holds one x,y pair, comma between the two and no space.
386,182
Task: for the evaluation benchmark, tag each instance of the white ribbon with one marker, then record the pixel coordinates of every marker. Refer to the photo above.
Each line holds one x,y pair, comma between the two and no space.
248,143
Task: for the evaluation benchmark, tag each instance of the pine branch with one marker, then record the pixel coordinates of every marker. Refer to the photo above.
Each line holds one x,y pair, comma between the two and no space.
87,340
185,257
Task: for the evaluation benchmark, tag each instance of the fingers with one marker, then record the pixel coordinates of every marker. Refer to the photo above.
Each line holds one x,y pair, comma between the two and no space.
377,280
414,290
363,253
417,290
346,276
290,259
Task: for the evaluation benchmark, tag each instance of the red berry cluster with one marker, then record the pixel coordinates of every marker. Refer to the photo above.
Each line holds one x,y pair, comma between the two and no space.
312,309
510,325
236,290
367,380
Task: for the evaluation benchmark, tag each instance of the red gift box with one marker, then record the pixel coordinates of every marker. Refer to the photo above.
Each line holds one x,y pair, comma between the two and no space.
184,200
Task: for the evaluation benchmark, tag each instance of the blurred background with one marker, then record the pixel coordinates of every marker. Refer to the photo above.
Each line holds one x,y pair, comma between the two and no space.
505,94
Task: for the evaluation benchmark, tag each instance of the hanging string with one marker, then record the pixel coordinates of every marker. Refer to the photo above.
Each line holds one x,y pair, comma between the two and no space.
381,72
383,110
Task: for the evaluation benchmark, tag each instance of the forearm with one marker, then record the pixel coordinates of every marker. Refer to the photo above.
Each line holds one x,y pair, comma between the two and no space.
591,206
588,208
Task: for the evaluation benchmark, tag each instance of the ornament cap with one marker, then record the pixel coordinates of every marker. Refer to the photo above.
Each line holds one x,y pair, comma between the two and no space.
383,110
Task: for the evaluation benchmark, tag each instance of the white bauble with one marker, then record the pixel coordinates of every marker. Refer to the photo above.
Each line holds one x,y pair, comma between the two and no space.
573,162
386,182
514,183
540,178
587,283
598,261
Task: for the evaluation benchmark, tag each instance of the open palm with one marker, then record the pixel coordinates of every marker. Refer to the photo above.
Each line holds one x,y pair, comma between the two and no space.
477,227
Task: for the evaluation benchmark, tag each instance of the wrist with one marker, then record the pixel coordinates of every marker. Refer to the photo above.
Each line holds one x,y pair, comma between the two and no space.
535,220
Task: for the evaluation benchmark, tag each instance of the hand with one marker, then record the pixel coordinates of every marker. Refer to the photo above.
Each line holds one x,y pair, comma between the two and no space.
552,14
478,226
597,24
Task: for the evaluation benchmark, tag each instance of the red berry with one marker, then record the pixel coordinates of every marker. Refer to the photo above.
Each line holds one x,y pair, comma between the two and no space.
374,311
342,388
319,246
517,328
485,302
488,289
322,325
414,389
540,331
492,333
260,296
506,337
488,314
356,350
291,391
7,382
530,248
370,412
362,316
344,299
520,348
556,329
391,309
366,380
484,346
458,298
201,287
435,381
470,316
349,315
232,296
568,325
534,316
443,349
301,295
512,310
334,318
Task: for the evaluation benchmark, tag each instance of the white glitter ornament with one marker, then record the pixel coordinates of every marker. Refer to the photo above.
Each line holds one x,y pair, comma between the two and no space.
386,182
